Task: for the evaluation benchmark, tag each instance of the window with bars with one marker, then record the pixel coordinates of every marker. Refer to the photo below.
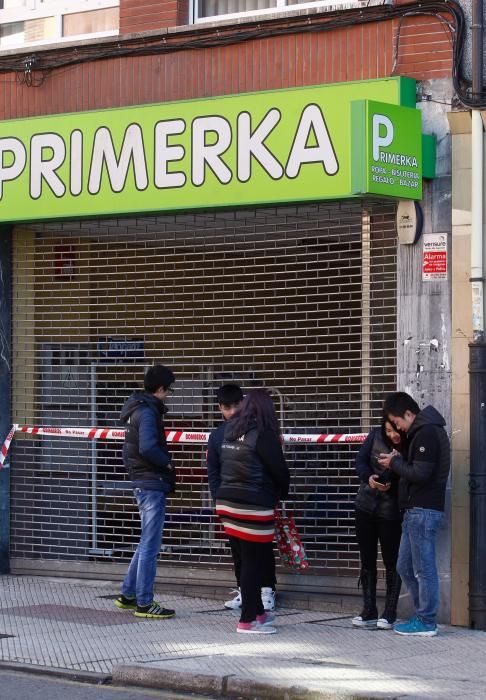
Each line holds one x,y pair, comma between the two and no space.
298,299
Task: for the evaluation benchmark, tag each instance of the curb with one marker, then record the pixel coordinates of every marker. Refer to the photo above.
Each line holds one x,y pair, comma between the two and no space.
224,686
92,677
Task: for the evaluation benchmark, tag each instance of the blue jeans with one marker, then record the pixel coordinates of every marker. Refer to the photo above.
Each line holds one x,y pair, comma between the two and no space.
139,581
416,560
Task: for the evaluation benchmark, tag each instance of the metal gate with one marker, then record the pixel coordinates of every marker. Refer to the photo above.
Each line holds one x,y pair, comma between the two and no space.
300,299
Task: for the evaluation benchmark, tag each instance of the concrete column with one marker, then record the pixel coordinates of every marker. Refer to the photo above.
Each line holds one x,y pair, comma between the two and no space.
424,309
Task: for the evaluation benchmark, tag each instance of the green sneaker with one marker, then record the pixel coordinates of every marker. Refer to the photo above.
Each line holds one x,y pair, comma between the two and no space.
126,603
154,611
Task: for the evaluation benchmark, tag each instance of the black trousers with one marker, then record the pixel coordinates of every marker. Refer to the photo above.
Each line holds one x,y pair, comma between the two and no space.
254,562
369,531
269,578
254,559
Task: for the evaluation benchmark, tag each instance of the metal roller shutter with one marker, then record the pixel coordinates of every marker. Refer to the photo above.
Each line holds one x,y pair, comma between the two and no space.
299,299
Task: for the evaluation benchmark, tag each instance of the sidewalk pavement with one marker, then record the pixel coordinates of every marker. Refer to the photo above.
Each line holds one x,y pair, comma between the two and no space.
71,626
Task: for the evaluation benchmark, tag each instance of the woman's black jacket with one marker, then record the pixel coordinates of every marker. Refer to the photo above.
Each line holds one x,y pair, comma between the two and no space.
382,504
253,468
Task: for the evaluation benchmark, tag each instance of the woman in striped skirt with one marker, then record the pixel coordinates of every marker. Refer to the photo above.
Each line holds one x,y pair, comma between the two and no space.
254,477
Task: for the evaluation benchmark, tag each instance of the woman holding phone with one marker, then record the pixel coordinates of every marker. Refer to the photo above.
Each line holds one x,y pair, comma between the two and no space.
378,519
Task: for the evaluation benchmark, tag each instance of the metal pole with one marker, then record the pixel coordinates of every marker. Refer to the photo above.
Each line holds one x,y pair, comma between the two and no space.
477,349
365,319
94,474
477,49
477,248
477,487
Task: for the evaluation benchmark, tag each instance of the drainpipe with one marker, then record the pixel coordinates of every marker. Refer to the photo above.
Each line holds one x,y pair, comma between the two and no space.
477,349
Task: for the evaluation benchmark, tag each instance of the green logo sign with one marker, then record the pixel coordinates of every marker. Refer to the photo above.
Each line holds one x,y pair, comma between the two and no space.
316,143
387,144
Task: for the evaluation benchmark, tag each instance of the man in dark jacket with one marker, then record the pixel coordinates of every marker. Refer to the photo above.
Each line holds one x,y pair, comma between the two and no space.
421,496
149,467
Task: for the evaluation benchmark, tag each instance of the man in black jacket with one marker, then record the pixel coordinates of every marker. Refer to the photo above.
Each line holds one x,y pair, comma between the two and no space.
149,467
423,479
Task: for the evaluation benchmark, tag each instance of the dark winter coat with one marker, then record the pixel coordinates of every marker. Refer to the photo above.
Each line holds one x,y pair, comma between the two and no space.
382,504
213,459
145,452
425,470
253,468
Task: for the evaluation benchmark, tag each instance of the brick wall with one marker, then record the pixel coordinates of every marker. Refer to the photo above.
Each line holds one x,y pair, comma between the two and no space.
424,48
279,62
149,15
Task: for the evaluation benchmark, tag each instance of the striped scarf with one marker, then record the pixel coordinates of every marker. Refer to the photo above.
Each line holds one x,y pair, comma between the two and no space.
246,521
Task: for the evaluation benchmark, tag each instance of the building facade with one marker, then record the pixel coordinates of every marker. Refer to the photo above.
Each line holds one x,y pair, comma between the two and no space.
217,188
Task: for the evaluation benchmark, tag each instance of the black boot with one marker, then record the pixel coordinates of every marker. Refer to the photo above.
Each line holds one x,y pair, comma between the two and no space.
369,615
393,586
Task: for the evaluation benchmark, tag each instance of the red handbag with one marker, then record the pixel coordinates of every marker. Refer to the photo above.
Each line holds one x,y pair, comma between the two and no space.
289,544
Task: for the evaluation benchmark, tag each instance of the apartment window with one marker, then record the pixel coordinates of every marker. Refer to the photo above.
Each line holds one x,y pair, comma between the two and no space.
213,8
11,34
8,4
34,22
205,9
90,22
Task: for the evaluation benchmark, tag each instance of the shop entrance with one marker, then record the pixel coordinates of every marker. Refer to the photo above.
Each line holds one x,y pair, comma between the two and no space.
301,299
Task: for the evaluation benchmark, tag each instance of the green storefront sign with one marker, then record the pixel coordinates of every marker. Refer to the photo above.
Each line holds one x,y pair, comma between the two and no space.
316,143
386,141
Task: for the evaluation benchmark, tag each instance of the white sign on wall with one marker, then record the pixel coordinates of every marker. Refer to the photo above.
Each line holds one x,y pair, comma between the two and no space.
434,258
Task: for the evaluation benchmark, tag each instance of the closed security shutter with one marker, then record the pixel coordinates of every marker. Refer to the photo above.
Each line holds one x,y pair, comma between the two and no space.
301,300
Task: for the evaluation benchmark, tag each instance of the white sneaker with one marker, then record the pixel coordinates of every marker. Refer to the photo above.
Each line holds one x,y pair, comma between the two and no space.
234,603
384,624
367,624
268,599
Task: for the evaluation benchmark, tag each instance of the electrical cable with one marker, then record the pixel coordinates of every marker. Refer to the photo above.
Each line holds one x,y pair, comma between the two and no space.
35,68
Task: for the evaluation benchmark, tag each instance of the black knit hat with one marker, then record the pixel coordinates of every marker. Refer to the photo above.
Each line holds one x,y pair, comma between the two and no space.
158,376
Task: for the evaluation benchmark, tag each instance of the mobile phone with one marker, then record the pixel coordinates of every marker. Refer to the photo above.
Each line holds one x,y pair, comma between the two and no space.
385,477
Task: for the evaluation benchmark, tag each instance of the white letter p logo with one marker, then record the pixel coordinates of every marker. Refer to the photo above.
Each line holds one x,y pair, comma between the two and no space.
381,141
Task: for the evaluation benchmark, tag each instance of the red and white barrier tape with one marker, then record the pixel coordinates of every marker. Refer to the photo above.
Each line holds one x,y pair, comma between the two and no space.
6,444
180,436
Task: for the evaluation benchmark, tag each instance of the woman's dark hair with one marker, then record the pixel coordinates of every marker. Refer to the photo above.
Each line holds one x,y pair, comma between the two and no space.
386,439
257,410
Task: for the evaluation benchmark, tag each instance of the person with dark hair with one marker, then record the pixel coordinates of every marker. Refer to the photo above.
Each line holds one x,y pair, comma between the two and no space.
423,476
378,519
229,398
254,477
148,462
